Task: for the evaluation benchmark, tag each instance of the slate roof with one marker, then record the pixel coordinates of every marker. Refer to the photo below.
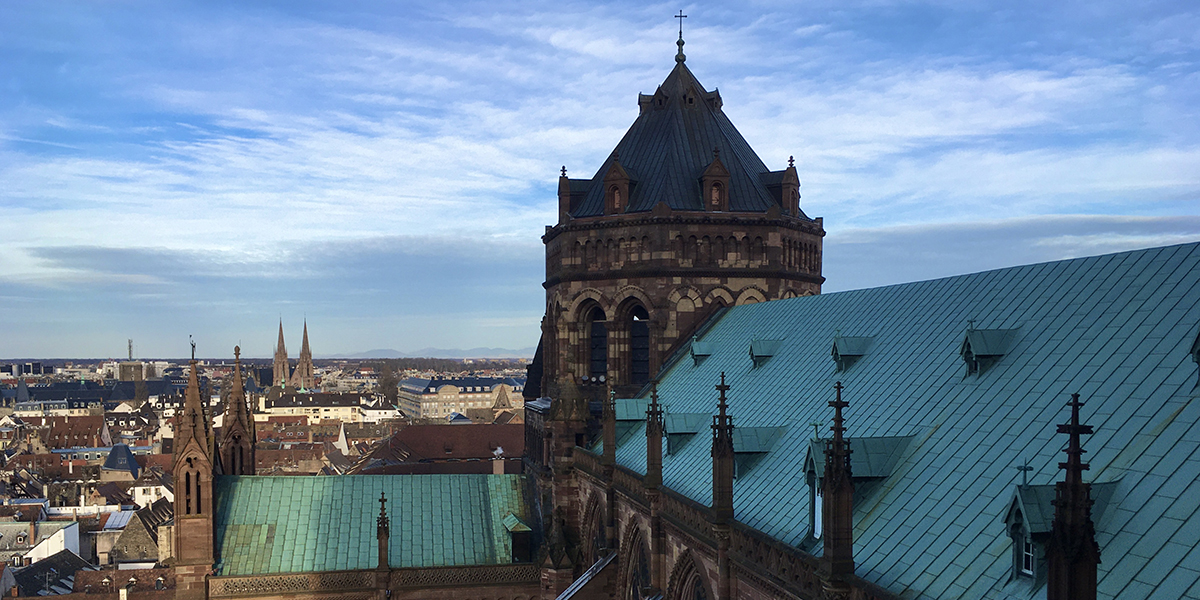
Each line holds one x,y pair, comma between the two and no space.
121,458
306,524
669,146
423,385
52,576
1116,328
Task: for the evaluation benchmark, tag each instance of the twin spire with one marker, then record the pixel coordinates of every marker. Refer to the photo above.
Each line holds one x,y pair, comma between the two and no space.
303,377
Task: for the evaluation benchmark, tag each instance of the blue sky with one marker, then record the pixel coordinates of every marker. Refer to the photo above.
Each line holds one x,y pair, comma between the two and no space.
386,169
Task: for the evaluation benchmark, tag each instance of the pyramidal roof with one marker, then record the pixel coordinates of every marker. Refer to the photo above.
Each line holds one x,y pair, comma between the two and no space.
669,146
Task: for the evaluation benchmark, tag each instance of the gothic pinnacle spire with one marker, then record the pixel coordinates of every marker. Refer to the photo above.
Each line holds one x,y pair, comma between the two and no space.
1072,554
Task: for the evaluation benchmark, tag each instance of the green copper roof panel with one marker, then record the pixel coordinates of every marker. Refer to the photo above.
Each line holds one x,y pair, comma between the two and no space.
1117,329
305,524
631,409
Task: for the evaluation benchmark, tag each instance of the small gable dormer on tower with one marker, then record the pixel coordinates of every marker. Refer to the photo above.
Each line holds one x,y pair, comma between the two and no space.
617,184
714,184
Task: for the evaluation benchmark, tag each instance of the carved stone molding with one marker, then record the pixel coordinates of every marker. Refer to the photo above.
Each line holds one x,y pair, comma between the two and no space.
463,576
265,585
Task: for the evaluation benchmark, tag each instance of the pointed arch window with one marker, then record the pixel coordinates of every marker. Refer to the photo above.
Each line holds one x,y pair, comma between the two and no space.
597,346
639,346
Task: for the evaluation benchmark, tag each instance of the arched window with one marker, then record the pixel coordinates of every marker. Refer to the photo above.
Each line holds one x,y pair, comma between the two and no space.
639,571
639,346
715,196
615,192
598,346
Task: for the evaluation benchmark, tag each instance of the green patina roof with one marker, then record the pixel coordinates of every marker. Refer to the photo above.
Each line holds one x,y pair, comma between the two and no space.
306,524
1117,329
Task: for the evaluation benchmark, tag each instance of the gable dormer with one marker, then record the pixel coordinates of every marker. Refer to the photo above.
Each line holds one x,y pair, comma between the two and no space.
714,184
655,101
982,348
1029,521
617,184
1196,357
874,460
847,350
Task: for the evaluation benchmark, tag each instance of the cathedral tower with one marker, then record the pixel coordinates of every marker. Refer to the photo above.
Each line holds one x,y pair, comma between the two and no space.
282,369
237,432
681,219
193,470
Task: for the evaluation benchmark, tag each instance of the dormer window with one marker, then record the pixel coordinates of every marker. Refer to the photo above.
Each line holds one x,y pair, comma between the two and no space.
761,350
1196,356
847,350
982,348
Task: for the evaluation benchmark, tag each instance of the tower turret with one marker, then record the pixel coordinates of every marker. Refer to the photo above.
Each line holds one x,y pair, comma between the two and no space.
193,471
236,448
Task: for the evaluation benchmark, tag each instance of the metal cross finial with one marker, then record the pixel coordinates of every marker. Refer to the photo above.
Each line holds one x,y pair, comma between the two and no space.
564,170
193,343
816,425
791,161
1024,469
681,17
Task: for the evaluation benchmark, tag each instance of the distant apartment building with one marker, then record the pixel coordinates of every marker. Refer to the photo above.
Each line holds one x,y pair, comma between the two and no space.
66,407
435,398
318,406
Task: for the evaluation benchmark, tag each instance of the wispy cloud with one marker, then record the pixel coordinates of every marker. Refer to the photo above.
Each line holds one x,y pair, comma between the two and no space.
250,160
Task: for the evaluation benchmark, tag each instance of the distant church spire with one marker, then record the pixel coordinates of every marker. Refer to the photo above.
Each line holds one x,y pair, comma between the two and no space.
304,377
282,369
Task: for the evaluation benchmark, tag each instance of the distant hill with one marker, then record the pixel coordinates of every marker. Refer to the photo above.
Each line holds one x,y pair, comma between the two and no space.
441,353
